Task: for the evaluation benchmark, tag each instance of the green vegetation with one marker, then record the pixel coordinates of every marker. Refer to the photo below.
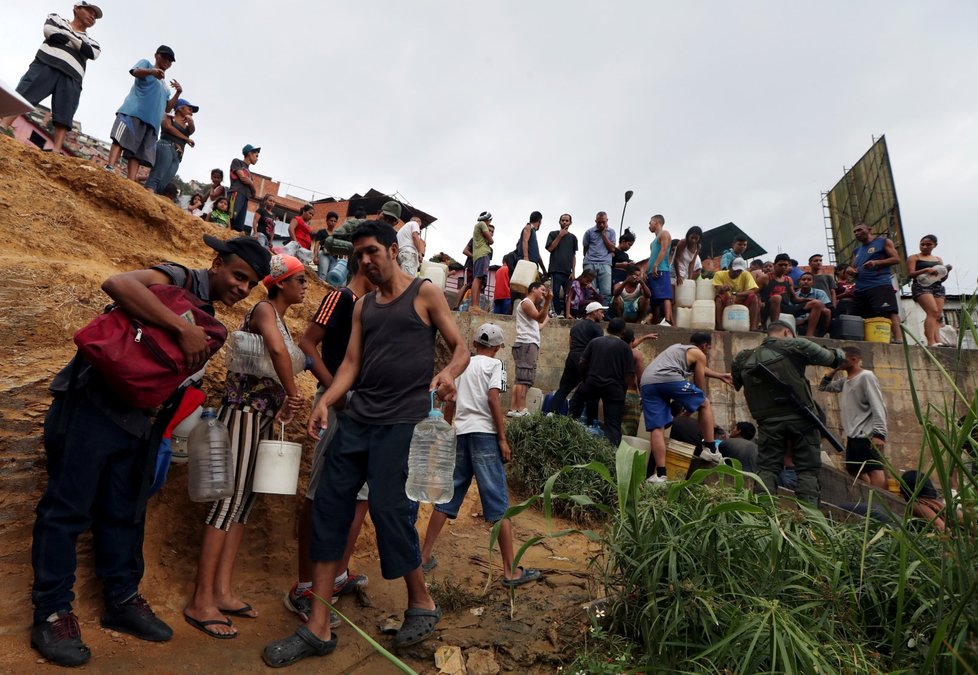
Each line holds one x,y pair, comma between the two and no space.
703,576
542,446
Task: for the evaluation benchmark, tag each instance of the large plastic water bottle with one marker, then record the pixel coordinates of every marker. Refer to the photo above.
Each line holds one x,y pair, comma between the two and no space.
247,354
211,470
338,274
431,461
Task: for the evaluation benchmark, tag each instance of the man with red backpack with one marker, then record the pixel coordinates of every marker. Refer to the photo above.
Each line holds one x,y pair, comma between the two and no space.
101,449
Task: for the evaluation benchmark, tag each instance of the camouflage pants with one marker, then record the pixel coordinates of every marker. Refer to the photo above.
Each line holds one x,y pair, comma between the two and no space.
774,439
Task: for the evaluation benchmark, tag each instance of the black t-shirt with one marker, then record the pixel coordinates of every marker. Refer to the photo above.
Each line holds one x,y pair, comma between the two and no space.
266,223
562,257
609,359
237,185
619,256
581,333
335,315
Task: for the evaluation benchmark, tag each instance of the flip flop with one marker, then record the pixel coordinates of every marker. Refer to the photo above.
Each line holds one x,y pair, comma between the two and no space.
419,625
202,627
240,611
430,565
526,577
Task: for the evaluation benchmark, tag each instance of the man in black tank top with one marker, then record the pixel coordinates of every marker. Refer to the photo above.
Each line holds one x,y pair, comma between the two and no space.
390,359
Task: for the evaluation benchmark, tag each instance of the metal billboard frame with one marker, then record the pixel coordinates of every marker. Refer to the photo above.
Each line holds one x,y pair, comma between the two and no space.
866,193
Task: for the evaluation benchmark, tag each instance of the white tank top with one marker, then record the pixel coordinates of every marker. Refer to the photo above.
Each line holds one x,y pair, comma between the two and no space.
527,328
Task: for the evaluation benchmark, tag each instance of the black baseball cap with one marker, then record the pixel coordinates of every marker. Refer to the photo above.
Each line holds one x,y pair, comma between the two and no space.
166,51
246,248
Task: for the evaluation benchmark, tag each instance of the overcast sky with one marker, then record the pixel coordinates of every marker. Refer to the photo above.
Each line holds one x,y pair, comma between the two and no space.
710,111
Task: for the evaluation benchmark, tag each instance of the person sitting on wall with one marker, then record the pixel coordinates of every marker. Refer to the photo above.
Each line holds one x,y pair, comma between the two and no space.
580,294
630,297
737,286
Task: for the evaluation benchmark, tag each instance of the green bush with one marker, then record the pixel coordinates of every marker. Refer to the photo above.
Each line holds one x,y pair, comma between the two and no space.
542,446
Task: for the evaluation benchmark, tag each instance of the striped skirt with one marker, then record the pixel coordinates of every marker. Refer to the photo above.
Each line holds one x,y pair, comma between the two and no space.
246,429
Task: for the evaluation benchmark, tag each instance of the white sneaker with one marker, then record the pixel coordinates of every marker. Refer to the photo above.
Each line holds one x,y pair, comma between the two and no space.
523,413
711,456
656,480
513,413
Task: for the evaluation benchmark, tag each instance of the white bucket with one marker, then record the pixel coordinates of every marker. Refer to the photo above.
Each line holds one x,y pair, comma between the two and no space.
188,423
534,400
686,293
524,274
736,318
704,289
277,466
704,315
683,316
436,272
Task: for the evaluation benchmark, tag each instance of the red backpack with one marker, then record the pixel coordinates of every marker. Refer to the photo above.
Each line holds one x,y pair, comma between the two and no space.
143,363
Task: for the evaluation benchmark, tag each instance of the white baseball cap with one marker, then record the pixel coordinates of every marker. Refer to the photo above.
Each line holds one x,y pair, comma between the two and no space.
593,307
738,264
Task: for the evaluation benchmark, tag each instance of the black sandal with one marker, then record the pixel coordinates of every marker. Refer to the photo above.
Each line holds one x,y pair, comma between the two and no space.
419,625
301,644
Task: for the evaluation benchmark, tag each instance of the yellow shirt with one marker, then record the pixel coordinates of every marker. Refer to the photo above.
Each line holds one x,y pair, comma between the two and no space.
743,283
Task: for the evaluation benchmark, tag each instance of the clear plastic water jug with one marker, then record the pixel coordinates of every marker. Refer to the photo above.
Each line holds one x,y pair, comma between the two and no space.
247,354
337,275
211,466
431,460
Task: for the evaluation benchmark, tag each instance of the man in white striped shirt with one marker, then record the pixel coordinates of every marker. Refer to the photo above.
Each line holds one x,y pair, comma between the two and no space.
59,66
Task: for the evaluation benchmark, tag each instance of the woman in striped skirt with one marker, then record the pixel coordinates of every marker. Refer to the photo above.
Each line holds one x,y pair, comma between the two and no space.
250,409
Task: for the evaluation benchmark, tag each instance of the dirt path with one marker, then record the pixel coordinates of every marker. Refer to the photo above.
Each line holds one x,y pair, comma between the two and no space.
66,226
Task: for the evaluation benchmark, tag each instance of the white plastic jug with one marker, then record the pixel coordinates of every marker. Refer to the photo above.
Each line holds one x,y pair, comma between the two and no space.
436,272
534,399
277,466
736,318
704,289
704,315
686,293
524,274
683,316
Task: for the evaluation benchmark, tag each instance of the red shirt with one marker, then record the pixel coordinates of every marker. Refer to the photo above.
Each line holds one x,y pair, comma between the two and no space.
502,284
303,234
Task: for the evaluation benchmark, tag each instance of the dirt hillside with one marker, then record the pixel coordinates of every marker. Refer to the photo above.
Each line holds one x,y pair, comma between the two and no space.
66,226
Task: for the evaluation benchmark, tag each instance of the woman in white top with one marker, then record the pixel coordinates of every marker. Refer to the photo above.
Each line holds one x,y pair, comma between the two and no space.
531,315
686,263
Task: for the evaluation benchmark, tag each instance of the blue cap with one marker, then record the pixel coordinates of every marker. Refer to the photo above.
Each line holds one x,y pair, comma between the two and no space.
181,102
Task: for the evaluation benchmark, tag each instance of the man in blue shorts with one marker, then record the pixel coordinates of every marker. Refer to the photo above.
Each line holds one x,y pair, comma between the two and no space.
665,380
660,263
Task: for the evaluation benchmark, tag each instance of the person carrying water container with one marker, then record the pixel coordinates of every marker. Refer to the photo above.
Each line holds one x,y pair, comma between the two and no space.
481,452
390,358
97,442
250,408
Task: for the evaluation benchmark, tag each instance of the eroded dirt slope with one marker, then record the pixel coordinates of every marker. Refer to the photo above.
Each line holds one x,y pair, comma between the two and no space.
66,226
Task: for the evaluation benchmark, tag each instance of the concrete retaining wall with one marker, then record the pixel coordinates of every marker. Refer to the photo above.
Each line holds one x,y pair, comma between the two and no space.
887,361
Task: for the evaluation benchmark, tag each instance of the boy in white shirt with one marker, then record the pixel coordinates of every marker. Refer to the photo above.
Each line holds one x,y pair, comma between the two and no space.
481,451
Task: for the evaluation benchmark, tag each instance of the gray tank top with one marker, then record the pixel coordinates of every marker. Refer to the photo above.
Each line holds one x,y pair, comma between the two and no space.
397,362
669,366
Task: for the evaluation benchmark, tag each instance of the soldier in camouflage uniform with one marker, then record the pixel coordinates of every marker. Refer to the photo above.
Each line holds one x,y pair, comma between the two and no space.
782,426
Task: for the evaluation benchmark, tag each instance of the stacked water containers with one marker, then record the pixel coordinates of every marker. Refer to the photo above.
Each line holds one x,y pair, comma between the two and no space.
703,315
685,297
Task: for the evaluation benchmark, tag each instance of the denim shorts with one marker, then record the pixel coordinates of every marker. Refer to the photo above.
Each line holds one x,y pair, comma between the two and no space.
656,399
478,455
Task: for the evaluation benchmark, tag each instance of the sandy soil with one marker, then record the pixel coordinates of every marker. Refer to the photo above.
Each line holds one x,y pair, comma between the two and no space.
66,226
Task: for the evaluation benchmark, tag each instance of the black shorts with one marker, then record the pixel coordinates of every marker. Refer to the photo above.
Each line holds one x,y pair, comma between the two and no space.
879,301
41,81
862,455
